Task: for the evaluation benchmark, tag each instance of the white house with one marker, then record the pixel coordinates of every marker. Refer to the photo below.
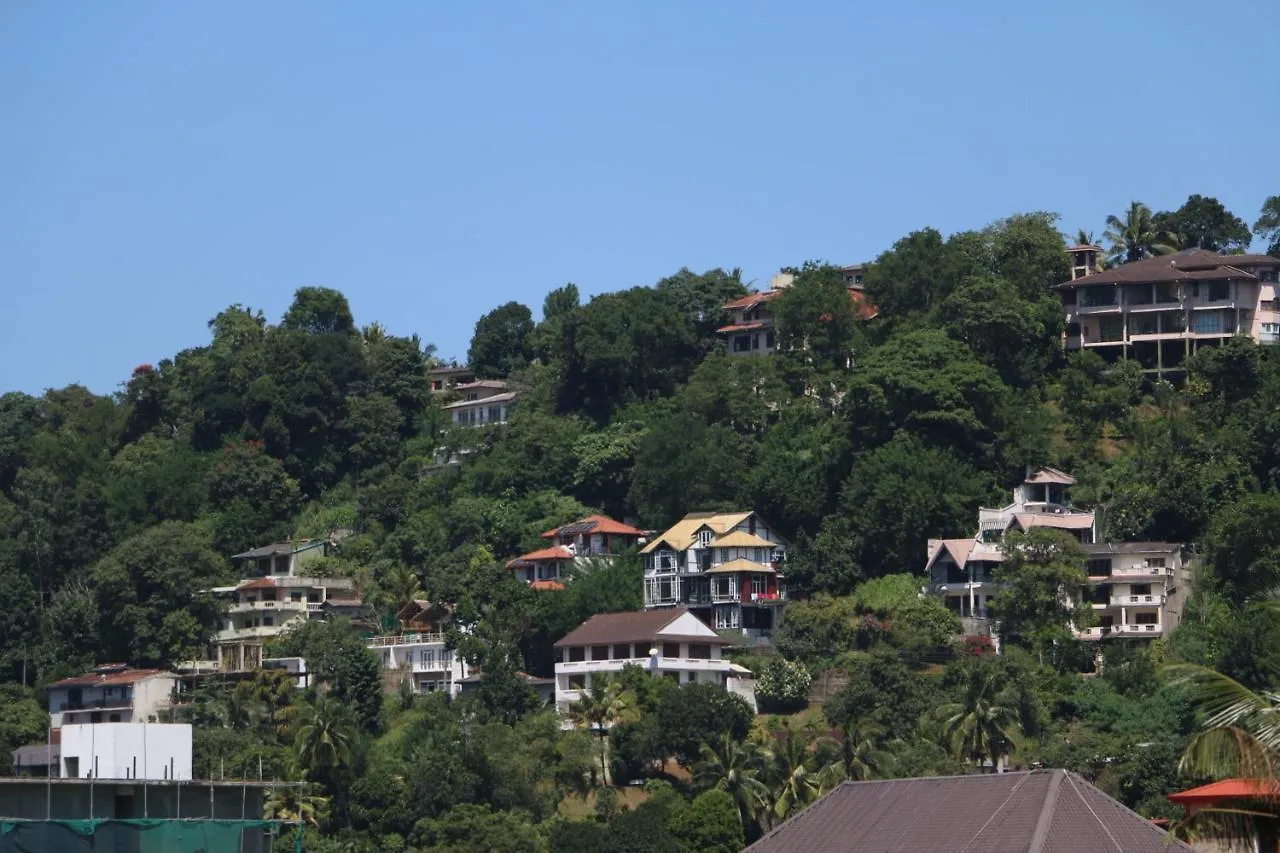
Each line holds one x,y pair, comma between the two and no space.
112,693
484,402
669,643
151,751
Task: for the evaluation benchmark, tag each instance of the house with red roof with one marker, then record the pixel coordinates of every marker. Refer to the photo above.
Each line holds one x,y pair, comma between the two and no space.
112,693
593,537
1247,815
751,327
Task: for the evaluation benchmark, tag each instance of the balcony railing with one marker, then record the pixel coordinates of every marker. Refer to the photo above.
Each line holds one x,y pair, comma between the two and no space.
407,639
1140,571
721,597
1121,600
97,705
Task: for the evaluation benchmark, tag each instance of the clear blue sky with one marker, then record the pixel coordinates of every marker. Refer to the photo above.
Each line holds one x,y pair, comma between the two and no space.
160,161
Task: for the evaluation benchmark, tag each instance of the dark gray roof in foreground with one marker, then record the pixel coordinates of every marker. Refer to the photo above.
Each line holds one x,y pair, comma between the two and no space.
1039,811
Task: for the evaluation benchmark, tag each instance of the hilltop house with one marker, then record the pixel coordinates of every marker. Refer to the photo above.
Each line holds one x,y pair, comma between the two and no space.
448,377
417,651
725,567
1160,310
670,643
751,327
484,402
593,537
1136,588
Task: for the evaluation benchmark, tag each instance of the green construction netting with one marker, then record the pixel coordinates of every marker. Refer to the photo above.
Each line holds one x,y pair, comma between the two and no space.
139,836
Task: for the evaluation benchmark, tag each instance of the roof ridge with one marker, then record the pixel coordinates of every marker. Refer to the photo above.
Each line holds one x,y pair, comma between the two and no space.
999,808
1046,814
1097,819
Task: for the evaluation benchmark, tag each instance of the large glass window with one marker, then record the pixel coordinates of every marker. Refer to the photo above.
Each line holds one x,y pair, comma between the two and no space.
1208,323
1111,329
1219,291
1093,297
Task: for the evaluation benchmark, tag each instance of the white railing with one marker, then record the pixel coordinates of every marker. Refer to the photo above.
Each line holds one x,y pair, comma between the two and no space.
1139,571
1122,600
664,663
407,639
1137,629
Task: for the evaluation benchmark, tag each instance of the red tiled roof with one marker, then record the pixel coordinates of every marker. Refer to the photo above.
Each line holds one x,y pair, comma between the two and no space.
600,524
542,555
1229,789
119,676
259,583
546,585
740,327
752,299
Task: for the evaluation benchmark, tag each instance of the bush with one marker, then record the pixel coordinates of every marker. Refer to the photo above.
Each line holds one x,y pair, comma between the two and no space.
782,686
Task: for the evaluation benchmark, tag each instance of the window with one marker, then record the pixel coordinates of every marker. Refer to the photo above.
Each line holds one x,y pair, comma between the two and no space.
639,651
741,343
757,585
577,654
1139,294
1166,292
1142,324
728,618
1155,562
751,524
268,621
704,537
1100,568
1140,589
1207,323
704,560
671,650
1219,291
1111,329
768,340
666,561
621,651
755,342
700,651
1098,296
296,595
599,652
495,414
113,718
1145,618
1267,275
578,682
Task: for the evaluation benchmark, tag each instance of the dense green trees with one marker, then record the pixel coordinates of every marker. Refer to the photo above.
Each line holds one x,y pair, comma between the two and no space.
501,342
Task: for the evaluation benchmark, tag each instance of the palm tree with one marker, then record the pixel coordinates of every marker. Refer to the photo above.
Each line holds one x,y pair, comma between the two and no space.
794,774
1134,236
1240,732
604,704
1085,238
324,736
983,725
296,803
735,768
861,755
400,585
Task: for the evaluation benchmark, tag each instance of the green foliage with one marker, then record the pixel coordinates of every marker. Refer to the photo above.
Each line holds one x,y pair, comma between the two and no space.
1203,223
782,686
1042,573
501,342
816,630
471,828
709,825
1268,225
336,656
697,713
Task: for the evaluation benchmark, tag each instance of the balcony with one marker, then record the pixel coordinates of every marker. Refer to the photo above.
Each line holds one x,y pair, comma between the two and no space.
113,704
407,639
263,631
269,605
1138,630
731,596
1152,599
775,599
1140,571
664,663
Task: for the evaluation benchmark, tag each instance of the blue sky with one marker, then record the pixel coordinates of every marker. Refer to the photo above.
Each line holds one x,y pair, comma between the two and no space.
160,161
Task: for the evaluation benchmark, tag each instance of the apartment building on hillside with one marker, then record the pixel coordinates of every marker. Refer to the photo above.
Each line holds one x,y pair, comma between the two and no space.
1137,589
1161,310
591,538
751,327
726,567
112,693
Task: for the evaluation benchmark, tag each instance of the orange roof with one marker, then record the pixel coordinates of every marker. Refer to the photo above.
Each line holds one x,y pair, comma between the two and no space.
752,299
260,583
740,327
1230,789
599,524
546,585
555,552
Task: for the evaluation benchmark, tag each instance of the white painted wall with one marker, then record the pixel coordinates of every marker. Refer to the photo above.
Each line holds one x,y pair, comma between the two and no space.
154,751
687,625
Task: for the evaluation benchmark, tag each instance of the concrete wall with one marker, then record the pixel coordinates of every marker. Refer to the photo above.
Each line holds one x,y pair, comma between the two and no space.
65,799
127,751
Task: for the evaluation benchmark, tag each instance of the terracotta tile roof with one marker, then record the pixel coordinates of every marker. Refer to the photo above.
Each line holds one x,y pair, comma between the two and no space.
1229,789
739,327
1041,811
959,549
257,583
1193,264
630,627
542,555
594,524
111,677
752,299
546,585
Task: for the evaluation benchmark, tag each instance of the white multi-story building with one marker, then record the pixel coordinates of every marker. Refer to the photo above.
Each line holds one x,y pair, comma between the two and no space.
484,402
278,591
1136,588
417,651
593,537
112,693
725,567
667,643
